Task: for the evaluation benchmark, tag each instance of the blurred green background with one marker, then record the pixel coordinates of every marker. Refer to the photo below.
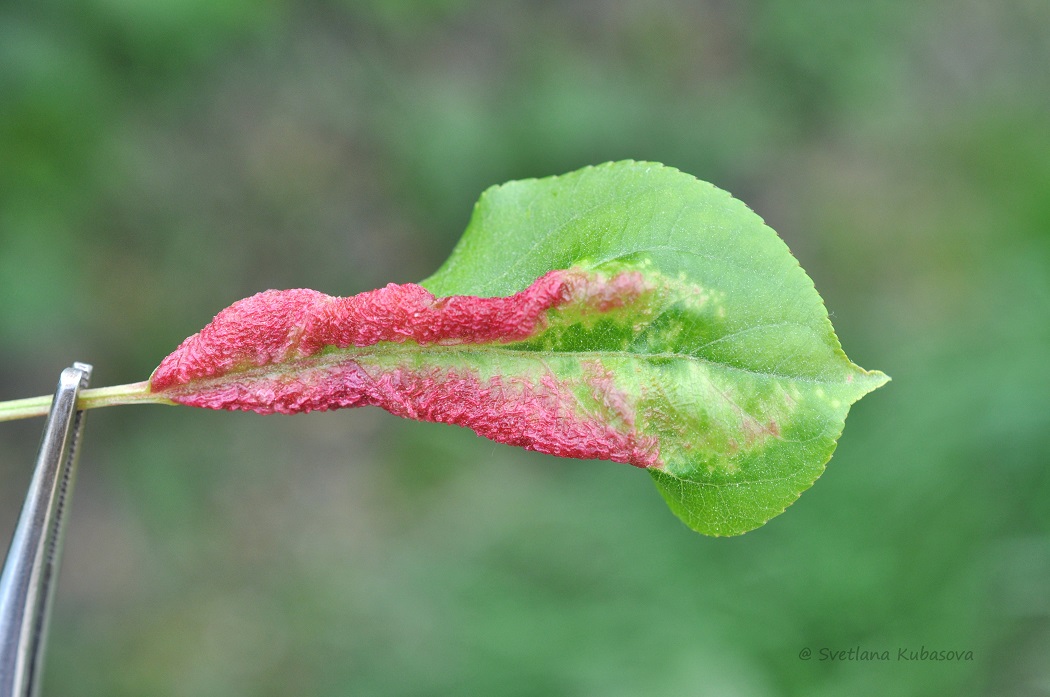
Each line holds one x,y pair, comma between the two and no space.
159,160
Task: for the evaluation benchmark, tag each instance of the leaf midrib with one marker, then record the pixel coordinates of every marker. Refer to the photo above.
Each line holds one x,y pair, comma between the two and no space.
334,356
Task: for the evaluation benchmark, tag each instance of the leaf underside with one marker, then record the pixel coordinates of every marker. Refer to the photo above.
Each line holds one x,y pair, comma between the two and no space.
627,312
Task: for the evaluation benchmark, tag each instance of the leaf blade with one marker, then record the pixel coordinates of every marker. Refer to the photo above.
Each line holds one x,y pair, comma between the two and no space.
626,312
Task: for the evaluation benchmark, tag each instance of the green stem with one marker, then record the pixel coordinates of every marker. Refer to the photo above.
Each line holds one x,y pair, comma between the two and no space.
132,393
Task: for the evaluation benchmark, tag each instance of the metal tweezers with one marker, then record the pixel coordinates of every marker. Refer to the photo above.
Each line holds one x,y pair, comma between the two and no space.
27,586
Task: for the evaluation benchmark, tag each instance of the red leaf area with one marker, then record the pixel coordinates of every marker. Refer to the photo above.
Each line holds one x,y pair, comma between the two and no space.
275,327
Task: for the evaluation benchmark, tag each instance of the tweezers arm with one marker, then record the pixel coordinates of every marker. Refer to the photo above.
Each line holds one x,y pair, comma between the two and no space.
31,569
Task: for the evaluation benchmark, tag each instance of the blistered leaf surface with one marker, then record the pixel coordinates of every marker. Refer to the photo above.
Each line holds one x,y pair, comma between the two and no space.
626,312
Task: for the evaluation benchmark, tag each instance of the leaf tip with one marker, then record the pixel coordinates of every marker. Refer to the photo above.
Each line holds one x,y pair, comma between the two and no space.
865,382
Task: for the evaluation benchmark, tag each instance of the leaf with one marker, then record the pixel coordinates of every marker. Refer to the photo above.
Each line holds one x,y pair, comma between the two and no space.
626,312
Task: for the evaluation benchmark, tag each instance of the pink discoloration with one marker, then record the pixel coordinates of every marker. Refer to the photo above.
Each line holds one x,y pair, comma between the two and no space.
224,365
276,326
606,393
611,294
512,410
756,432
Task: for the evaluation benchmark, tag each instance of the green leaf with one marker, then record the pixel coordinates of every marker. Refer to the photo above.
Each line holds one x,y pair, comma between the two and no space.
731,363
